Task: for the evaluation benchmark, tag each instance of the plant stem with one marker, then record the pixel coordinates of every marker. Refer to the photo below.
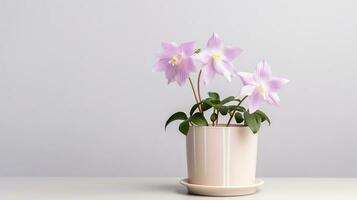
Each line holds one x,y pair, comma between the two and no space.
217,117
194,93
198,90
214,110
234,112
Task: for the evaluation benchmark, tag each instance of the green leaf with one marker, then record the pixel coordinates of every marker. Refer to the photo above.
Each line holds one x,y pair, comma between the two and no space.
223,110
213,117
176,116
258,119
237,108
193,109
199,119
205,106
253,121
184,127
240,109
231,108
212,102
215,102
263,116
213,95
238,117
227,100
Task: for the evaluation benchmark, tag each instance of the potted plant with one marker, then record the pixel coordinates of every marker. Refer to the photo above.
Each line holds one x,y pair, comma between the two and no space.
221,156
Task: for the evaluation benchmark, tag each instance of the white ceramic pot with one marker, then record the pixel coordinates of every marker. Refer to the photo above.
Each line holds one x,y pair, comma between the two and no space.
221,156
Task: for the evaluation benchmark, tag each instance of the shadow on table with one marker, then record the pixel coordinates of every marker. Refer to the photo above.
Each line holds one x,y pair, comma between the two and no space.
172,187
179,189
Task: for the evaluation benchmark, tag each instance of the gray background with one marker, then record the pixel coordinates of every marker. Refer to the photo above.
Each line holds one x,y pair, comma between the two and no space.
78,98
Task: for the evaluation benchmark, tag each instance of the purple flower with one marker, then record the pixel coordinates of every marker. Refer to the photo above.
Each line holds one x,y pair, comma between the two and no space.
261,86
217,59
176,61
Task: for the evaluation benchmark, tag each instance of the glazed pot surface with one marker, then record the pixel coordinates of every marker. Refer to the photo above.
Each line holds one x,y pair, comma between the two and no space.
221,156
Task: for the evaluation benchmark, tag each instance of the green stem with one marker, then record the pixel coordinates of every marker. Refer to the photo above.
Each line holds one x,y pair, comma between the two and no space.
214,110
194,93
234,112
198,90
217,117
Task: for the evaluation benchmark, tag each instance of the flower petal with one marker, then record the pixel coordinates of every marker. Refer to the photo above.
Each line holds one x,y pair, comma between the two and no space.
181,77
208,73
188,65
203,57
247,90
170,48
214,42
230,67
188,48
273,98
231,53
170,73
221,68
169,45
247,78
161,65
263,71
254,101
275,83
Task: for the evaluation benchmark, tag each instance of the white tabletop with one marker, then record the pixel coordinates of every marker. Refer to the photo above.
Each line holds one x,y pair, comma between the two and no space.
167,188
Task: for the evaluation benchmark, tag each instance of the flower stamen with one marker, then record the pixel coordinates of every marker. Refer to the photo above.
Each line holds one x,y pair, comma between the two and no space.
175,60
217,56
263,89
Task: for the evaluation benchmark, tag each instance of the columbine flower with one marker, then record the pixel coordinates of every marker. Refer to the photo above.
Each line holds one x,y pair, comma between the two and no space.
176,61
217,59
261,86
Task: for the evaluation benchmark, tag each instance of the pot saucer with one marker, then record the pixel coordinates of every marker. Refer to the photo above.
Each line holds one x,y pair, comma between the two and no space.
208,190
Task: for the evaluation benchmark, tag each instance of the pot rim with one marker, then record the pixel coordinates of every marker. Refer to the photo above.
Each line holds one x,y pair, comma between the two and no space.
219,126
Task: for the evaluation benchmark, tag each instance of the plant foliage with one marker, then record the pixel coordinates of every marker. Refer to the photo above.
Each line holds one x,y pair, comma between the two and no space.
230,106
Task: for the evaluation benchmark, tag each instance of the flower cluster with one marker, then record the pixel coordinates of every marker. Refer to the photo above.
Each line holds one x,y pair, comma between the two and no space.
261,86
178,61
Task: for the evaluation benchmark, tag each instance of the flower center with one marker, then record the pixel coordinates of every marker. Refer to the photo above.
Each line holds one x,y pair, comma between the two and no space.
263,89
217,56
175,60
